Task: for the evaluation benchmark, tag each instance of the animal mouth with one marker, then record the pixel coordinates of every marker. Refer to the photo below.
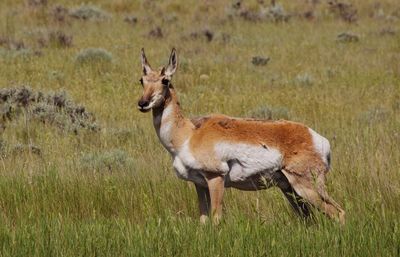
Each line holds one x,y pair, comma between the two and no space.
144,108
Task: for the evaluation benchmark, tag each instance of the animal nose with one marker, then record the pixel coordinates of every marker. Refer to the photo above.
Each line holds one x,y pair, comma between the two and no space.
143,103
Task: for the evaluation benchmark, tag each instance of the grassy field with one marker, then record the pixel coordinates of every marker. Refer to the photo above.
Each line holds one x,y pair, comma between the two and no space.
112,191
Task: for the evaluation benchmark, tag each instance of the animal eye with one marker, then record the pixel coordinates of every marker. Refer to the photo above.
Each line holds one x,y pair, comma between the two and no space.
165,82
141,81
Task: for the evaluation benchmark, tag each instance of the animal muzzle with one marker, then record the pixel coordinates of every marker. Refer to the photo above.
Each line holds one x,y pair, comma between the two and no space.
144,105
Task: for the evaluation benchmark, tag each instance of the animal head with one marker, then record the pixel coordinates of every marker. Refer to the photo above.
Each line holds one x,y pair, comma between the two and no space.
156,83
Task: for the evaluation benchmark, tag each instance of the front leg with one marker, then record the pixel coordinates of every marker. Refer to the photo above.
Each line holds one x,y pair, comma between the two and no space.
215,184
203,195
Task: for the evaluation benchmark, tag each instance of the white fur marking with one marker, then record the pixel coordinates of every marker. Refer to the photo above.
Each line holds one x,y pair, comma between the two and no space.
187,157
188,174
252,159
156,99
164,121
321,145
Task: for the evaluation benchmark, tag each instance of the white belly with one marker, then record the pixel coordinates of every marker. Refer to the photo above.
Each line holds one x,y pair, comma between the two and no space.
246,161
254,182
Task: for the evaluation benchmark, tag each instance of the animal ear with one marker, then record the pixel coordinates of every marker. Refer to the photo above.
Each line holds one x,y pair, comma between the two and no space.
170,69
145,64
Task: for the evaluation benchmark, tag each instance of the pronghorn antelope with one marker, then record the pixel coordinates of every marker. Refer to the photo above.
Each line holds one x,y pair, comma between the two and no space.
218,151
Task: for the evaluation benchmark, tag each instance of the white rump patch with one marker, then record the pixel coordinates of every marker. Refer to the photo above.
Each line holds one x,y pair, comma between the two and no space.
321,145
246,160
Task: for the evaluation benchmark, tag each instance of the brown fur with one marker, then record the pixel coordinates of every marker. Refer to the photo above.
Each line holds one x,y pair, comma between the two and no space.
292,139
199,121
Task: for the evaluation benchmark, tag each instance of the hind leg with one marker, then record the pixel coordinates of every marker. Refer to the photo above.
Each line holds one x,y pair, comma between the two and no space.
299,205
314,192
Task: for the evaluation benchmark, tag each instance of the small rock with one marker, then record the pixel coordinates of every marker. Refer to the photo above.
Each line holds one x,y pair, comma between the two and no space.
260,61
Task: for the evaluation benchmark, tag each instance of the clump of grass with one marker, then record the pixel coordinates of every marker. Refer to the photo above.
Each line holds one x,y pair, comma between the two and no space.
170,18
276,13
12,48
89,12
131,19
7,150
107,161
59,13
260,60
3,148
57,76
57,39
374,115
396,105
206,34
304,79
156,33
93,56
121,134
60,39
345,11
19,54
54,108
237,9
12,44
37,3
22,148
396,13
387,31
269,113
347,37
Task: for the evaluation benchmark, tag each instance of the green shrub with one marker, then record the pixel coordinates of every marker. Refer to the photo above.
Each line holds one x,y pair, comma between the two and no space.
93,55
304,79
54,108
107,161
89,12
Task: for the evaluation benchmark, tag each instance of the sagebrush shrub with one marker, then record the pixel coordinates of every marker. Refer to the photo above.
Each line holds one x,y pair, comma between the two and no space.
93,56
112,160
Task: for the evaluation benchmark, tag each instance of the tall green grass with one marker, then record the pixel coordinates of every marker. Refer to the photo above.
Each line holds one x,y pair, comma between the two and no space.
59,203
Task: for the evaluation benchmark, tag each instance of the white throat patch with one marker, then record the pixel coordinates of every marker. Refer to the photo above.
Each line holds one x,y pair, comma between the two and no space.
164,122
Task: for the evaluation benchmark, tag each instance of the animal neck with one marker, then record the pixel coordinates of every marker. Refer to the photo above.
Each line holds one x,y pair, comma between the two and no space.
172,128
